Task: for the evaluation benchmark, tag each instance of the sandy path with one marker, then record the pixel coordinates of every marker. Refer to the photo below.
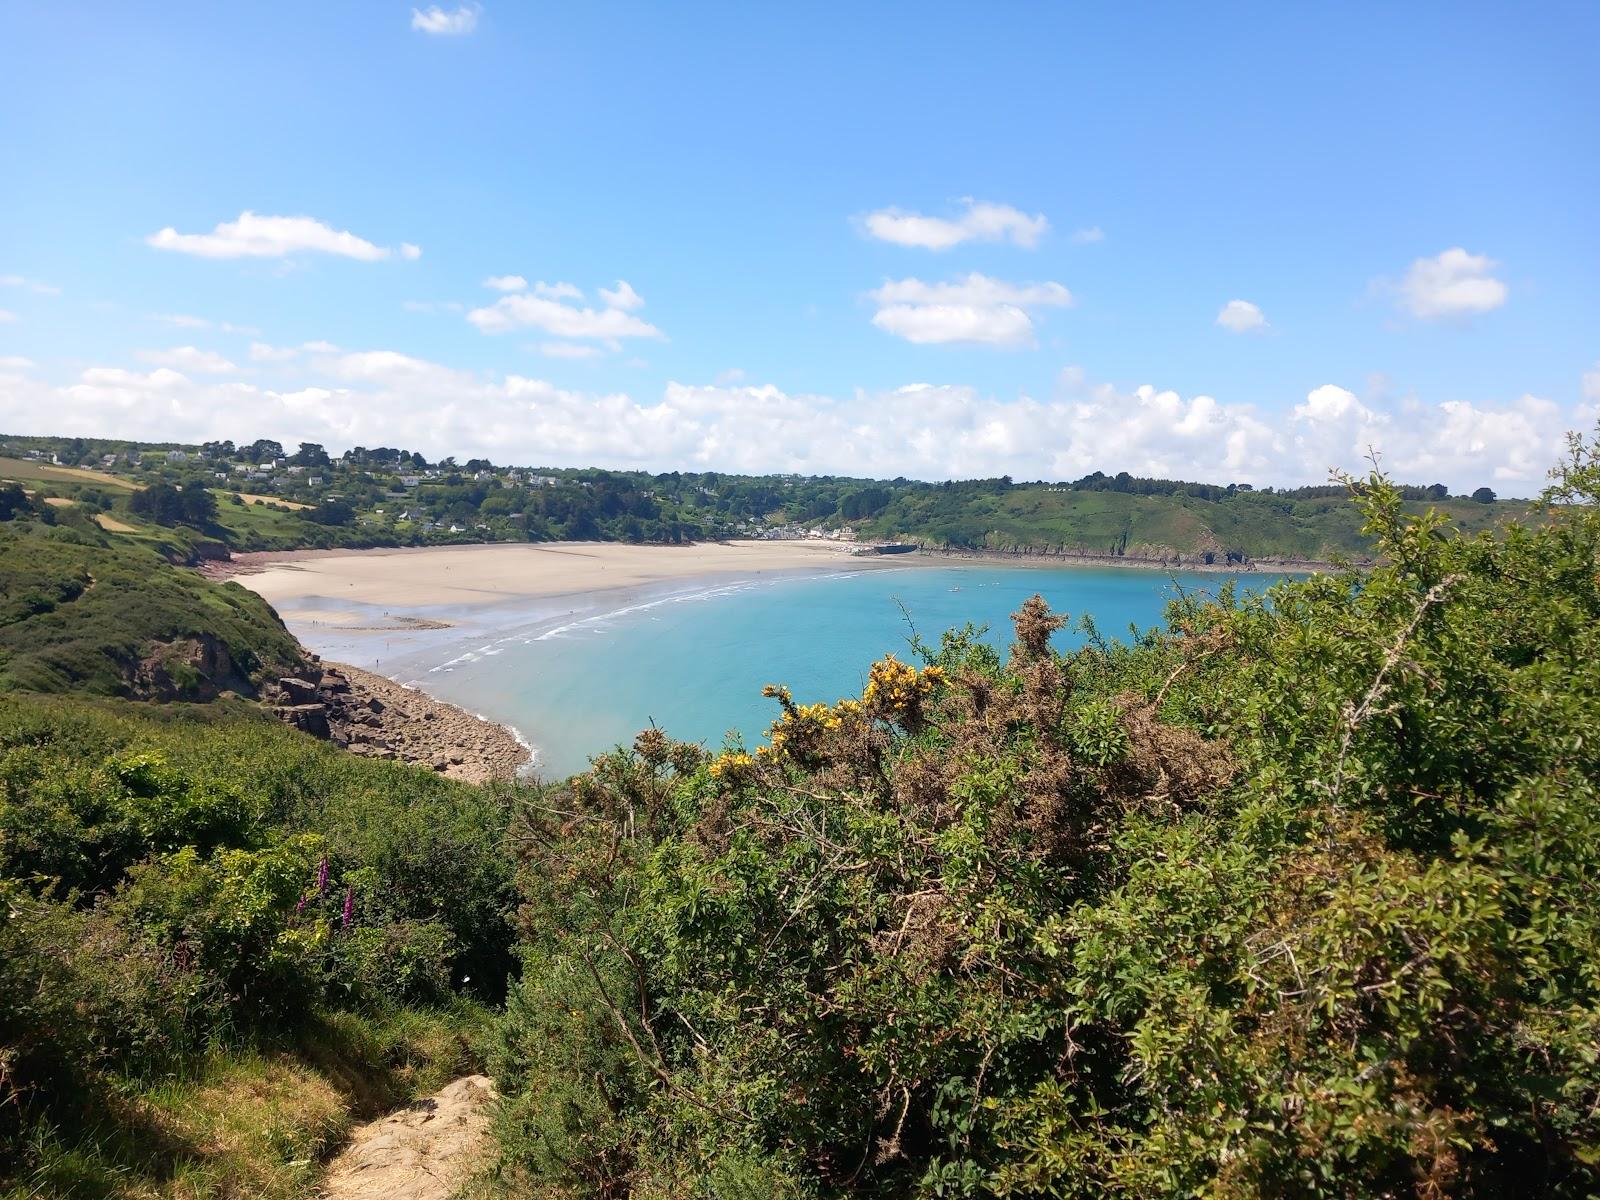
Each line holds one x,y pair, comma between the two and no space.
423,1152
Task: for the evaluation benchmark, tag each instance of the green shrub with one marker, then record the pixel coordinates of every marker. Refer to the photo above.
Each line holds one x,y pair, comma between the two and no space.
1291,897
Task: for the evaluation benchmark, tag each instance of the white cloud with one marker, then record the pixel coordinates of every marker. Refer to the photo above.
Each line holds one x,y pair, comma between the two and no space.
1240,316
1088,236
6,315
451,23
410,251
1591,383
33,285
731,375
181,320
188,358
506,283
981,222
975,310
544,310
319,347
14,362
255,236
921,430
569,350
624,297
1453,284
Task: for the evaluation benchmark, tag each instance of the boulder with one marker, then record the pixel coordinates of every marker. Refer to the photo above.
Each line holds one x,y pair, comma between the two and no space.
308,718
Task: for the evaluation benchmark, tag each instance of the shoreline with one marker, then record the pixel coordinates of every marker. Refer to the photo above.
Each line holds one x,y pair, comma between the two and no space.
1069,558
372,716
407,620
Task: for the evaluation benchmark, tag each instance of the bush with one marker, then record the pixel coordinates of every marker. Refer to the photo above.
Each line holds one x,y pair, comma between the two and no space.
1290,897
177,879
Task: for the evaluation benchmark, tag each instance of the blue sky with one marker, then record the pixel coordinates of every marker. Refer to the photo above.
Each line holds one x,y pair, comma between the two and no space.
1227,242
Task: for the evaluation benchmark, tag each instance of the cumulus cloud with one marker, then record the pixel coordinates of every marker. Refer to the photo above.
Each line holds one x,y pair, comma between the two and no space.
6,315
506,283
32,285
1453,284
545,309
558,291
976,310
623,297
981,222
445,22
188,358
922,430
1240,316
1088,236
256,236
15,362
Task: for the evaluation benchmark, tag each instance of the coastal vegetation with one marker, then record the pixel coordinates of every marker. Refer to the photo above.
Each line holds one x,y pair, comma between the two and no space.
222,942
183,496
1292,895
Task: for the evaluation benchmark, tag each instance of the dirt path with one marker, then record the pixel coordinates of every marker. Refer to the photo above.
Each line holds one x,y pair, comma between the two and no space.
423,1152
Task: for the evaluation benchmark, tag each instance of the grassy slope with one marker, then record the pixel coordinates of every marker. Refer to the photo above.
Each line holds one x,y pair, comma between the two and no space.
249,1121
77,613
25,471
252,1111
1254,524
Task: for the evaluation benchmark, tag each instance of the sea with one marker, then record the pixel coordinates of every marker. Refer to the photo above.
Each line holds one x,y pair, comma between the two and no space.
578,677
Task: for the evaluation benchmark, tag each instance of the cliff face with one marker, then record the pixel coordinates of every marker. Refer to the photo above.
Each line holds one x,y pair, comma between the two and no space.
375,717
199,667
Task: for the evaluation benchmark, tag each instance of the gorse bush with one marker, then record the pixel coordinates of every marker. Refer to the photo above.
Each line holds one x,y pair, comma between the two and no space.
1294,896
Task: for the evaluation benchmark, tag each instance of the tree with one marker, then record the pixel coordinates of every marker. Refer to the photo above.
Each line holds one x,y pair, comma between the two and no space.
332,512
14,502
262,448
199,505
1484,495
310,454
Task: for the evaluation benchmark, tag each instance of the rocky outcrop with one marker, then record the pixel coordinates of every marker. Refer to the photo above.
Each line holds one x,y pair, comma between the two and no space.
375,717
197,668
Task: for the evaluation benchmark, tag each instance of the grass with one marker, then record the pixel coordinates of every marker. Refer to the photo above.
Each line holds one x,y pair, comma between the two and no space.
254,498
77,615
25,471
1257,525
252,1121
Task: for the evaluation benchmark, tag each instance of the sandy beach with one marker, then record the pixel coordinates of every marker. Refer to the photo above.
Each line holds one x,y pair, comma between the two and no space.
469,576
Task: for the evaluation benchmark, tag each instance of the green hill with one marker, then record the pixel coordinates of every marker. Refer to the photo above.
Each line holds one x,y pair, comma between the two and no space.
1245,525
86,611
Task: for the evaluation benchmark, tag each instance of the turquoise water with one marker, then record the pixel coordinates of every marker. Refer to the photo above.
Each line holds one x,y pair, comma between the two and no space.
694,662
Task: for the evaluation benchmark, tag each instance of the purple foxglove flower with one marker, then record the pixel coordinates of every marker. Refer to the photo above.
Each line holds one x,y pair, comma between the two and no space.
322,876
300,906
349,906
